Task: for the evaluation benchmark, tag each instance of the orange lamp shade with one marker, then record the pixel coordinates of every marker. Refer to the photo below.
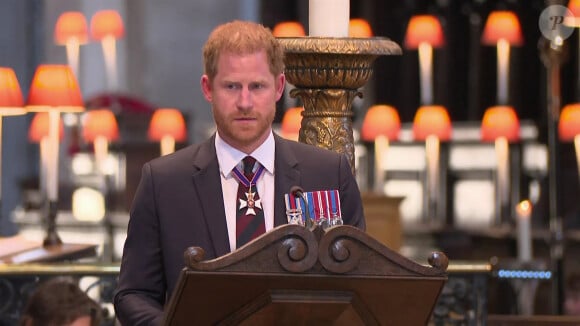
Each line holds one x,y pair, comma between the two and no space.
574,7
100,122
167,122
502,25
358,27
54,87
11,102
105,23
569,123
71,24
291,121
381,120
39,128
432,120
424,29
288,29
500,121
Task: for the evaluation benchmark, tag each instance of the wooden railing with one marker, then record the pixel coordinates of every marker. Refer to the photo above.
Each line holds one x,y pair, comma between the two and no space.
463,300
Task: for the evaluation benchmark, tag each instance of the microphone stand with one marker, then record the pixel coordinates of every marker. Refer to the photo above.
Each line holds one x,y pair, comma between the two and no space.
552,56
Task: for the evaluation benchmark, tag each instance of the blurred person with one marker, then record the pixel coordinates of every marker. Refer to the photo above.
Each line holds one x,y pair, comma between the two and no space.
60,302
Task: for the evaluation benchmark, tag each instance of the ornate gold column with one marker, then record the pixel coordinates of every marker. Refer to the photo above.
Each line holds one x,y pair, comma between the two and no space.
327,74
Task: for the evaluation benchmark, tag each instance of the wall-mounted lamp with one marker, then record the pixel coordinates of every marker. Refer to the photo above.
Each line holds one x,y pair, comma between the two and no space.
432,124
71,31
502,29
500,124
424,33
167,126
11,103
291,123
288,29
54,89
569,128
107,26
38,133
358,27
380,125
100,128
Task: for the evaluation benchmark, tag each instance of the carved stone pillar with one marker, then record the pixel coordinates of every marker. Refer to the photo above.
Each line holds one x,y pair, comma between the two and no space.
328,73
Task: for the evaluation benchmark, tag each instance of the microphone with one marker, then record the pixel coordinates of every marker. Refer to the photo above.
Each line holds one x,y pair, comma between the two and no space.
297,191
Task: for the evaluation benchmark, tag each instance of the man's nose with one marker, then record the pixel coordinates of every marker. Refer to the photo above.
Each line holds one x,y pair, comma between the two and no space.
245,98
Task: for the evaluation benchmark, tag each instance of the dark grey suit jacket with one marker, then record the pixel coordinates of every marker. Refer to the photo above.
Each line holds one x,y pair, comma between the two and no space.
179,204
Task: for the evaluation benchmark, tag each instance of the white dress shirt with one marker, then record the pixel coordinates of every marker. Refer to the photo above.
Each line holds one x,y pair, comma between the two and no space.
228,157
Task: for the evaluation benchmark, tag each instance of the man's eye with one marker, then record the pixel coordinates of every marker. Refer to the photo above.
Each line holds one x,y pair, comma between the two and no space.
257,86
232,86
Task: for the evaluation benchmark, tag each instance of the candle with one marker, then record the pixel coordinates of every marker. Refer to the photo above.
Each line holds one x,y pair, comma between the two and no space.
523,212
328,18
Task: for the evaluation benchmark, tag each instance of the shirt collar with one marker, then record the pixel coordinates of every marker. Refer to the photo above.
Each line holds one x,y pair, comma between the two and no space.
228,157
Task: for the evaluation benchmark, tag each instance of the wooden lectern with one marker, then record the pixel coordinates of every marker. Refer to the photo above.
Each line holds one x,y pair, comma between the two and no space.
299,276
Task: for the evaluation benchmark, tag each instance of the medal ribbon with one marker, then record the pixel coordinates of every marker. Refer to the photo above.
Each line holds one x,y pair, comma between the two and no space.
241,177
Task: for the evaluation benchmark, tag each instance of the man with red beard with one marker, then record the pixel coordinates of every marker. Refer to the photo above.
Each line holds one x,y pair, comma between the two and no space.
192,197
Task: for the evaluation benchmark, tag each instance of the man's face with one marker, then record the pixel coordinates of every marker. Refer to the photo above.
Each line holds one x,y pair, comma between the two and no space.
243,95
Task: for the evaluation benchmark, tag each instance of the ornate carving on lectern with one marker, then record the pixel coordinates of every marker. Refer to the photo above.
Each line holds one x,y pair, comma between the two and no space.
339,250
294,275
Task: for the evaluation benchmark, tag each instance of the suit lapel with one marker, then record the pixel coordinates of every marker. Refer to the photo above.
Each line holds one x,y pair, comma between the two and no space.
210,193
210,196
287,175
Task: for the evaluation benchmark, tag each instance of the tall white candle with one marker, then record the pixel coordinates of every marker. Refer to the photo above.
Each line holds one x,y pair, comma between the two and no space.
524,212
328,18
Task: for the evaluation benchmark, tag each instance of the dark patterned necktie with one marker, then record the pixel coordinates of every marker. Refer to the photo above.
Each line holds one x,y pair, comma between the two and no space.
249,212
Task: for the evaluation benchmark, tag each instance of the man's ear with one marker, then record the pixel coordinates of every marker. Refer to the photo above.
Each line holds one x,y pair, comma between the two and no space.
280,81
206,87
